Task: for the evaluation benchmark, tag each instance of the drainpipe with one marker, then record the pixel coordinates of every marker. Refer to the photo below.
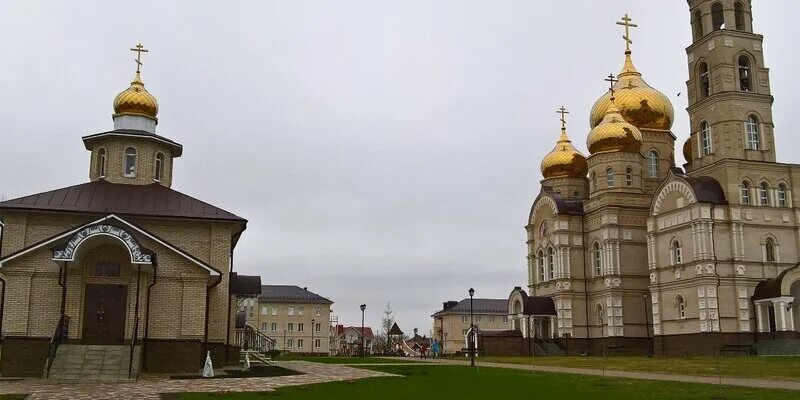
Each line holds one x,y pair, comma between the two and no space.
228,313
135,320
62,281
147,310
586,288
208,303
2,281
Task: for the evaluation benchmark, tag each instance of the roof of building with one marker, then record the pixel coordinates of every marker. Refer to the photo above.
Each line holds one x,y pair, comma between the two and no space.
102,197
177,148
706,188
535,305
341,329
290,293
395,331
479,306
771,288
245,284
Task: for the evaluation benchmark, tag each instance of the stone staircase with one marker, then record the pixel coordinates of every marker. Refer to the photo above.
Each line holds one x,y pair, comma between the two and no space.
777,347
94,364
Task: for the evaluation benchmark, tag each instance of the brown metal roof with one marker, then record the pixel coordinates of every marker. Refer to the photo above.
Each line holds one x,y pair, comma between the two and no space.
177,148
101,197
245,284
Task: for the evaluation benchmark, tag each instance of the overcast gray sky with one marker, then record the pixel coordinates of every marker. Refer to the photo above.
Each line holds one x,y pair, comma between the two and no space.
383,151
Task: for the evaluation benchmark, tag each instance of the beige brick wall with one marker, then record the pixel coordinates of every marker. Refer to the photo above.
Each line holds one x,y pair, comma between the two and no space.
146,151
255,312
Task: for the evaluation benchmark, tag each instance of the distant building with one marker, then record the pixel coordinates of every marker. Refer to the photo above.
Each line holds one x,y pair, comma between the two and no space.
347,341
296,318
450,325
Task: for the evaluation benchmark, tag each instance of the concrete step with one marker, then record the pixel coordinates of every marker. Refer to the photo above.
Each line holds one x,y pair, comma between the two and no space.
93,364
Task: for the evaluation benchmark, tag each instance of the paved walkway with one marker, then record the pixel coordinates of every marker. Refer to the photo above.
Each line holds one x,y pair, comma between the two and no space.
150,387
654,376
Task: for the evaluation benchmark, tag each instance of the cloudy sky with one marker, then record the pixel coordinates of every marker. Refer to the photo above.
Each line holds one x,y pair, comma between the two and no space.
383,151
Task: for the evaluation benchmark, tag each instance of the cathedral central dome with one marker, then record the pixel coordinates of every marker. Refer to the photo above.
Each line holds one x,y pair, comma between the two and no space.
136,100
614,133
565,161
638,103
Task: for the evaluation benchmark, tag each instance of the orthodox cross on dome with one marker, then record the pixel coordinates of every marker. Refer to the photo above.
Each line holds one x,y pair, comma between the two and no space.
139,49
626,22
563,111
611,81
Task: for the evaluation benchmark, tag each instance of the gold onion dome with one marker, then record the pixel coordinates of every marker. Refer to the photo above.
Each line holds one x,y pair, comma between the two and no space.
687,150
614,133
638,103
565,161
136,100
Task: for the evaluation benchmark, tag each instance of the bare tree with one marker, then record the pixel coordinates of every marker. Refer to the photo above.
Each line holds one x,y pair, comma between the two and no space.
382,338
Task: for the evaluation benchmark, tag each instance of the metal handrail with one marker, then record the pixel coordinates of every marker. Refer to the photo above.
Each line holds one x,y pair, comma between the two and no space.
59,336
250,338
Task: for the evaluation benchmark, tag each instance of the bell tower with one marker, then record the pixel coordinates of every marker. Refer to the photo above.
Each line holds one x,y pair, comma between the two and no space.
730,104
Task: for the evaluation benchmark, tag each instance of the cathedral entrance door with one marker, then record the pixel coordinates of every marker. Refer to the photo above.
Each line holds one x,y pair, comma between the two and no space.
104,314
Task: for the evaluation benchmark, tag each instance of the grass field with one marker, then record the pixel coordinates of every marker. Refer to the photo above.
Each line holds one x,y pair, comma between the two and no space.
751,367
461,382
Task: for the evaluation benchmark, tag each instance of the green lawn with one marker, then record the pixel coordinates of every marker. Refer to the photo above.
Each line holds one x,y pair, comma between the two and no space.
461,382
346,360
751,367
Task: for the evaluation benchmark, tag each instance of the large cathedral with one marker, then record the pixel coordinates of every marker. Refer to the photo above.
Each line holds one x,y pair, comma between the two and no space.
629,252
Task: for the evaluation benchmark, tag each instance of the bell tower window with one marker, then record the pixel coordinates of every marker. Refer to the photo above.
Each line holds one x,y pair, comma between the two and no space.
744,190
130,162
697,24
159,172
763,194
705,88
738,12
781,195
717,17
705,135
628,176
101,163
752,133
610,177
744,74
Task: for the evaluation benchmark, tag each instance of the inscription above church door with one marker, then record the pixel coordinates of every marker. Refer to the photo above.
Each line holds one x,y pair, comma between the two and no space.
104,314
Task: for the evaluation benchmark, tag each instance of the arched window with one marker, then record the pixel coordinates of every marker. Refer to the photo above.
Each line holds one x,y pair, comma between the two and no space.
744,190
763,194
705,84
769,250
744,74
717,17
550,263
610,177
705,136
541,266
159,173
697,25
597,260
543,229
629,176
130,162
101,162
752,133
576,193
782,195
594,181
680,304
738,12
677,253
652,163
599,312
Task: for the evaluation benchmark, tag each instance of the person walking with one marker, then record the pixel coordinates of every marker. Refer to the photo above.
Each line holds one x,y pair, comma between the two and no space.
435,348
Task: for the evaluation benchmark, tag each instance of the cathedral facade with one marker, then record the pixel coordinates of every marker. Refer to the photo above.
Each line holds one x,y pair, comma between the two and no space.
639,255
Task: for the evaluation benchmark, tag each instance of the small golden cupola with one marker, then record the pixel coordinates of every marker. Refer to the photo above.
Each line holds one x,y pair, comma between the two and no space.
687,150
614,133
135,108
638,102
564,161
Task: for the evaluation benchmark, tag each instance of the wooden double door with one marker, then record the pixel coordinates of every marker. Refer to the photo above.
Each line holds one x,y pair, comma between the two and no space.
104,314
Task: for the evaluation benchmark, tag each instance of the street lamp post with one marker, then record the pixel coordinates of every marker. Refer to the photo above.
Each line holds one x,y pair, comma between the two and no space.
312,336
471,337
363,345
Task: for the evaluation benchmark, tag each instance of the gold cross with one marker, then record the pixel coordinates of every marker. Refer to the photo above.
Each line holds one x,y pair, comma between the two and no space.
139,50
563,111
611,81
626,22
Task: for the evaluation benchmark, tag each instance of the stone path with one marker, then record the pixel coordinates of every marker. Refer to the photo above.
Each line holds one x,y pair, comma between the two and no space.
653,376
150,387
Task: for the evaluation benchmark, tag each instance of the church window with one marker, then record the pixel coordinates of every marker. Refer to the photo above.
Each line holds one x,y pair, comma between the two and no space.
705,85
610,177
597,260
781,195
101,162
680,304
600,315
159,173
677,253
628,176
550,264
130,162
653,163
738,12
541,266
705,135
698,25
745,192
744,74
763,194
576,193
594,181
543,229
752,133
769,250
717,17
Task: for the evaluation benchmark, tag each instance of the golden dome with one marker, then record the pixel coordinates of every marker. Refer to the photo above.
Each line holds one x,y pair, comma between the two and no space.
565,161
136,100
614,134
687,150
638,103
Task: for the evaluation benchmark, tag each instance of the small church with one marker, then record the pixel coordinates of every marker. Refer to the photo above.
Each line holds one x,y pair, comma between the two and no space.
122,266
636,255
